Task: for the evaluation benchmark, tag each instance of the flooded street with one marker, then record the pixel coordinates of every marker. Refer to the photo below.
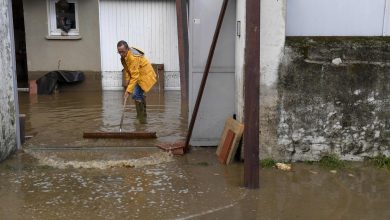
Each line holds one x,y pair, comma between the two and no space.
60,120
60,175
195,186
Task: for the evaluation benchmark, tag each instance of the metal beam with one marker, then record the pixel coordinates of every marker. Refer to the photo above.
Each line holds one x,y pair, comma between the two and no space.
252,95
182,36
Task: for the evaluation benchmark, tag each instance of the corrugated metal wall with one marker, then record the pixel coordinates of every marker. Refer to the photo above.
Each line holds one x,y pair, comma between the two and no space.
338,17
147,24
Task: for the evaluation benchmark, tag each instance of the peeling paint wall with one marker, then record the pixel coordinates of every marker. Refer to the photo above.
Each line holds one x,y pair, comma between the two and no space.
334,97
8,114
272,39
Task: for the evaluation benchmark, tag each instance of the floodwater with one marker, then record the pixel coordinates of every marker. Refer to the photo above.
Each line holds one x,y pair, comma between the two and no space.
59,120
58,175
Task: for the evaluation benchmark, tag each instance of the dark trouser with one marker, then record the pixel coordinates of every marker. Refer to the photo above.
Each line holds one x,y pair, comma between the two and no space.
138,93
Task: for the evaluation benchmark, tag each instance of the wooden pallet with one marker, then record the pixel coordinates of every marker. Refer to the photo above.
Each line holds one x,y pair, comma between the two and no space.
229,141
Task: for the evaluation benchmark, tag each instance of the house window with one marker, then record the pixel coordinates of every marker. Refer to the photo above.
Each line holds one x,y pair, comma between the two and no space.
63,17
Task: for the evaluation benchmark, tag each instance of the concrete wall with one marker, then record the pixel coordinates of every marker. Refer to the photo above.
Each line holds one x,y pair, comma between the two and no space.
332,107
310,106
8,137
44,54
272,39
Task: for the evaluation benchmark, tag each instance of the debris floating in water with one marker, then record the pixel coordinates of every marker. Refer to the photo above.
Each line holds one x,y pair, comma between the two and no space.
156,158
283,166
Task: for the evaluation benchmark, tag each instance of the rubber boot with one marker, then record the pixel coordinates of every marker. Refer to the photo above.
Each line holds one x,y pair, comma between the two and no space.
138,109
143,115
141,111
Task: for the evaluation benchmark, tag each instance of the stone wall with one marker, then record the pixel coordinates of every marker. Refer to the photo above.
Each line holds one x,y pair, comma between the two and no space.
8,142
334,97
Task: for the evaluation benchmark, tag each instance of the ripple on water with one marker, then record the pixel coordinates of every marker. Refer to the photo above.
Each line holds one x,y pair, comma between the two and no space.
153,159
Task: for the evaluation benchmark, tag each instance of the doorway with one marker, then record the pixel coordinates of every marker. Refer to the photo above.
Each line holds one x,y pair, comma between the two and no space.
20,43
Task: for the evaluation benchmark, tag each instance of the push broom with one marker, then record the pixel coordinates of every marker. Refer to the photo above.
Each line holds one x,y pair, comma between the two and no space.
120,134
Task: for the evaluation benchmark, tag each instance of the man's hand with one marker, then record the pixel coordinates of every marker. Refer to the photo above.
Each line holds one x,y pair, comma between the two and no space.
126,95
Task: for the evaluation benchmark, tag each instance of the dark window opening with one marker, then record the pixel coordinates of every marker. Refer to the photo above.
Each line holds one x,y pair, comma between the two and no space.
66,16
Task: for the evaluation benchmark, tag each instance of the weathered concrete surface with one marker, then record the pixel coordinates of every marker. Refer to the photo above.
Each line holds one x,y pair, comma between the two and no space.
272,37
328,108
7,107
272,40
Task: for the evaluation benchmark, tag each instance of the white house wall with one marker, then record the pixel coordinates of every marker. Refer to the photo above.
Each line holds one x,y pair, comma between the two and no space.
149,25
338,17
240,51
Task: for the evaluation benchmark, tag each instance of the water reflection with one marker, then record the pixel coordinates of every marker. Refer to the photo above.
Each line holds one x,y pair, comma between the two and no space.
195,186
59,120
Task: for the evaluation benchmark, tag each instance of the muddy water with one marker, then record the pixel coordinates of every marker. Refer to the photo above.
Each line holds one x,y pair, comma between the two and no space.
60,120
62,176
195,186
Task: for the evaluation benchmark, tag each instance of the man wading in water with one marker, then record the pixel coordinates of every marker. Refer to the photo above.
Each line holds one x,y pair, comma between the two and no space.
139,76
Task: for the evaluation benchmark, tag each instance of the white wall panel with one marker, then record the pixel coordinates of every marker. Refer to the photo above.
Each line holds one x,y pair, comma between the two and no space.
218,100
386,19
147,24
336,17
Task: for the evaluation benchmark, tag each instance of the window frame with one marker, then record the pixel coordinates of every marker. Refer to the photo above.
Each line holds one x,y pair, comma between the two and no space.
52,20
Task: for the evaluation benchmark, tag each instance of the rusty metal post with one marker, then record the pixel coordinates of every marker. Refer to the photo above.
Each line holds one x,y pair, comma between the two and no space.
206,73
182,36
252,95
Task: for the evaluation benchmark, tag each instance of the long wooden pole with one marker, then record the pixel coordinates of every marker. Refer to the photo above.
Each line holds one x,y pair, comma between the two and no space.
252,95
206,73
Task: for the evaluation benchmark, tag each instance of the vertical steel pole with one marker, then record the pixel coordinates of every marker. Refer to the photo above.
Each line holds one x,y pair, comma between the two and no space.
252,95
182,37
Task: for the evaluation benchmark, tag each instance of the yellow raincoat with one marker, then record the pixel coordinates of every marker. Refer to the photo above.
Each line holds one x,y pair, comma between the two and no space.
138,70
